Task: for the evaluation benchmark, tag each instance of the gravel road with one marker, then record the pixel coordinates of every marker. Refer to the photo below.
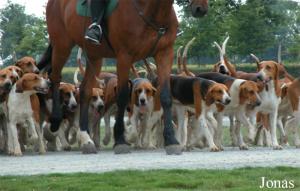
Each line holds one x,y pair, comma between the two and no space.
105,161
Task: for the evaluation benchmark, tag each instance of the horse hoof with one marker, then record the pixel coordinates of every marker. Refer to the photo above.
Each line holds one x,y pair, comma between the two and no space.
214,149
67,148
89,148
122,149
244,147
174,150
297,146
278,147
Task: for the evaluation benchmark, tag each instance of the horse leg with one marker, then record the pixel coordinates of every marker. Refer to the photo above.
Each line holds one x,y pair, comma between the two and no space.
123,66
164,60
89,81
60,55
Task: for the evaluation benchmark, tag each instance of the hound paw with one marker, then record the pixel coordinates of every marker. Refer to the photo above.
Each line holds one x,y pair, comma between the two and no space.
67,148
106,140
277,147
244,147
214,149
298,146
16,152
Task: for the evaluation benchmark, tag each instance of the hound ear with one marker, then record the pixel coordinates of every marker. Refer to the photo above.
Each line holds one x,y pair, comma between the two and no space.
133,100
209,98
18,63
154,90
242,94
19,86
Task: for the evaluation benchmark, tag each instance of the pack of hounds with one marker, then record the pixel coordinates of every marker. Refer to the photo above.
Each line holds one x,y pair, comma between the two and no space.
261,102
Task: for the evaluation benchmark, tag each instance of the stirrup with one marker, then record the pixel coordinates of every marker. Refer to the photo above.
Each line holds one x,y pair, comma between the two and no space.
95,41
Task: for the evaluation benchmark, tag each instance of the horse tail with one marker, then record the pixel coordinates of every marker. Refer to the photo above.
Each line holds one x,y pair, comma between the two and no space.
45,62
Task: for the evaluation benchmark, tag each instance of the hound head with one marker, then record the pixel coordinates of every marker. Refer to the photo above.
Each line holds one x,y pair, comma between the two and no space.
27,65
221,68
249,93
97,102
6,80
218,93
269,70
143,93
199,7
33,83
68,96
16,72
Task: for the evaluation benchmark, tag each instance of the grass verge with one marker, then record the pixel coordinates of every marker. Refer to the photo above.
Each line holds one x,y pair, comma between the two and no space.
238,179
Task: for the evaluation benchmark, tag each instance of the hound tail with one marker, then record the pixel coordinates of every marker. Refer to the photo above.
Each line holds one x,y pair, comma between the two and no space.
185,57
179,60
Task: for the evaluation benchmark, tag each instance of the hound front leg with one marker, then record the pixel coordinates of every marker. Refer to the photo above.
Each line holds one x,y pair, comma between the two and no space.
62,136
41,143
202,124
283,136
273,119
164,60
13,143
132,133
182,119
244,120
242,145
219,130
107,135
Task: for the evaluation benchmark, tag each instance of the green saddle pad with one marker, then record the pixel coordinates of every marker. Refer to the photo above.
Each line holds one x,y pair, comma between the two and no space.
83,9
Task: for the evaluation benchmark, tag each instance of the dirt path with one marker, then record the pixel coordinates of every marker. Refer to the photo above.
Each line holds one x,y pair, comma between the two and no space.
104,161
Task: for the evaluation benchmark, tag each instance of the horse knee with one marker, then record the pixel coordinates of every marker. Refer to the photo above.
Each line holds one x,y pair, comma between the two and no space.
165,98
123,97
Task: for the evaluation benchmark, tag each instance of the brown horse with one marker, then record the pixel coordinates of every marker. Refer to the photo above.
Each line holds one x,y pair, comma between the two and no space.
133,34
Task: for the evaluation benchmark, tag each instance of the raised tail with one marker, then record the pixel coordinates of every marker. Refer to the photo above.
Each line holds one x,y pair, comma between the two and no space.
184,63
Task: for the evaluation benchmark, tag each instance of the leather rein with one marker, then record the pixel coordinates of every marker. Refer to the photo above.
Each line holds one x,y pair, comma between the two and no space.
160,30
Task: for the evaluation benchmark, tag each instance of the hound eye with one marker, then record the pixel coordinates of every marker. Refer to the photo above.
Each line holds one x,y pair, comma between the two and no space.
139,91
220,91
68,94
3,76
28,64
268,67
94,98
148,91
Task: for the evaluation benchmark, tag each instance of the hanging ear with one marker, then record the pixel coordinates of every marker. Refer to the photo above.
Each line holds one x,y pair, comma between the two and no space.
208,97
242,94
18,63
133,98
19,86
153,91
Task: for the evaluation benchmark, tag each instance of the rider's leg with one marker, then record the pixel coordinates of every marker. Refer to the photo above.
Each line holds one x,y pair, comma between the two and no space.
94,32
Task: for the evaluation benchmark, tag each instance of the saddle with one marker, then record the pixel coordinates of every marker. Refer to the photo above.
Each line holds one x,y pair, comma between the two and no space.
82,8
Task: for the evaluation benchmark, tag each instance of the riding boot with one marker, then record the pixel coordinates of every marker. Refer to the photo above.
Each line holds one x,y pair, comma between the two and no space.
94,32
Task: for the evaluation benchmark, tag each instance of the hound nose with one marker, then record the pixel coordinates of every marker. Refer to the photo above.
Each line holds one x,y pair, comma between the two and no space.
73,106
36,71
222,70
258,103
142,101
260,77
227,101
100,108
